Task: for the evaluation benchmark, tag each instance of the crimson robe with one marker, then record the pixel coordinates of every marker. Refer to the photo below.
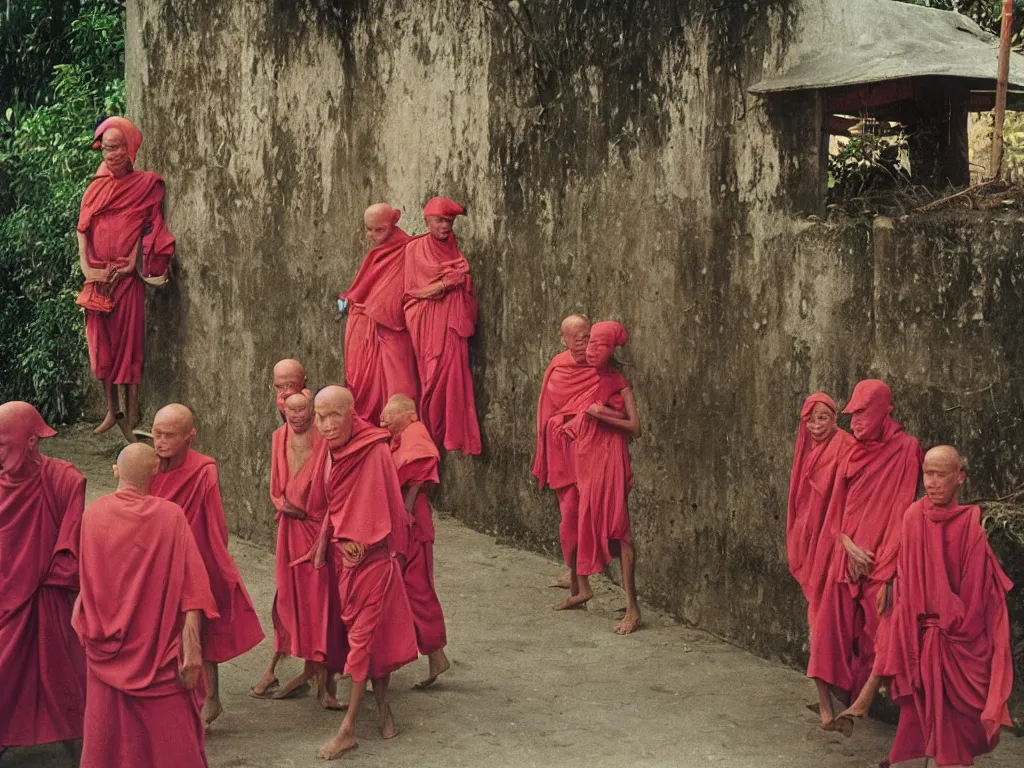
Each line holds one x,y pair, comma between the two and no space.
141,573
810,488
42,699
114,214
440,329
194,486
416,459
949,654
379,358
364,502
566,390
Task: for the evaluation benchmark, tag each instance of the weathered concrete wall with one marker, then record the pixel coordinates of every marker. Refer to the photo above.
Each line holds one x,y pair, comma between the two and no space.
611,163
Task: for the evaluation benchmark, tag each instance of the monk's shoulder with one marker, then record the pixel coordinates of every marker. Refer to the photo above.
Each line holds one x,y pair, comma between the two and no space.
424,441
64,477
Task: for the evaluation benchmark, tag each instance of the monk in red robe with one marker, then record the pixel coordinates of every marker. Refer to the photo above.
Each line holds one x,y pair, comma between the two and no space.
441,314
820,447
139,615
41,663
379,359
289,379
416,459
859,541
367,523
604,475
189,479
121,239
949,648
568,380
303,601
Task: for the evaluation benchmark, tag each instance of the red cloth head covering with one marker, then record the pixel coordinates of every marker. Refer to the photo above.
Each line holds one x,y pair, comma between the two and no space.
132,135
22,420
875,397
609,331
443,206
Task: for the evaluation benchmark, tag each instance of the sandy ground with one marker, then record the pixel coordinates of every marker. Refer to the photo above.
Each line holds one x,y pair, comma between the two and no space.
528,686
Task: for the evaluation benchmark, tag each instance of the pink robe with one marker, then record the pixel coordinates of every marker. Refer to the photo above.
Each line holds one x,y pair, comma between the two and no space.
41,662
141,572
416,459
440,329
379,358
195,488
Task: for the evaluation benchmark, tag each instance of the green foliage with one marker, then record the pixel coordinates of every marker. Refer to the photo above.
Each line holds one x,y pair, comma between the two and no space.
866,164
45,164
987,13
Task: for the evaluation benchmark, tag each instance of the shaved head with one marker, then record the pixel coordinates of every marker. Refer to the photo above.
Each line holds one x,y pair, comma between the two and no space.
175,414
575,332
945,455
333,406
380,220
136,465
399,412
173,432
574,322
943,472
289,378
298,412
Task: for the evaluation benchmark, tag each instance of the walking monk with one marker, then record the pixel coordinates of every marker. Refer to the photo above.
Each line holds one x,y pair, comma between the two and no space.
368,524
139,615
567,381
859,541
189,479
121,237
604,475
416,459
42,669
441,314
379,359
303,603
949,648
820,448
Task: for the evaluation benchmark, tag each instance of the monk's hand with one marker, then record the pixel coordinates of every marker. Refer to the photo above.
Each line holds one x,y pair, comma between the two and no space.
191,650
432,291
861,561
595,410
320,553
353,550
290,510
884,597
570,429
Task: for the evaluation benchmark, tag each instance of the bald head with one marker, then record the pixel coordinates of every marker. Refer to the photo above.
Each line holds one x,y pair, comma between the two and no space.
943,472
298,412
289,378
380,220
334,415
135,467
173,432
399,412
575,332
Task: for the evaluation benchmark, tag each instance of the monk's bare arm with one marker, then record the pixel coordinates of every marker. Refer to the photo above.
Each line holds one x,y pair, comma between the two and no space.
192,650
630,424
98,275
410,496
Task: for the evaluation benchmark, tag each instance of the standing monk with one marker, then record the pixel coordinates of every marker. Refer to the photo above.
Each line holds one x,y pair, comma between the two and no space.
289,379
416,459
820,447
121,237
441,313
42,669
368,524
604,475
139,615
379,360
567,382
189,479
859,541
302,605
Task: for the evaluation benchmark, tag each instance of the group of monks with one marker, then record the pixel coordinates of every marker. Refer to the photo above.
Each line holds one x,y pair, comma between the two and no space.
898,591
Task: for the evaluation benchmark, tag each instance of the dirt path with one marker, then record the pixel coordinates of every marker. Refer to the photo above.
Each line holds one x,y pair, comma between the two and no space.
531,687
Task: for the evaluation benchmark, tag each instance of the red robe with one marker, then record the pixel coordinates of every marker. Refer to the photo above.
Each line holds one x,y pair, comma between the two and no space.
141,572
440,329
567,389
604,477
364,501
810,488
305,595
195,488
874,486
949,651
379,359
41,662
416,459
114,214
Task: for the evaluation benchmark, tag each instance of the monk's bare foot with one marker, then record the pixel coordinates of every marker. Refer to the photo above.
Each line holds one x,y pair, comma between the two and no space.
858,709
439,664
563,582
293,689
575,601
129,436
336,747
106,424
386,722
630,623
211,711
267,685
329,701
843,725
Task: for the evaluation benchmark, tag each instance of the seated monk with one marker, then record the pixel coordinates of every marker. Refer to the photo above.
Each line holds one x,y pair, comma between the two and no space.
820,447
303,601
604,476
42,666
567,380
367,523
416,459
379,359
121,237
441,314
139,617
949,646
189,479
289,379
874,485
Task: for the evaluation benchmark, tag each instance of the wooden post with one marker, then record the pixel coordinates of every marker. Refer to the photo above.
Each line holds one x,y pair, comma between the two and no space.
1002,78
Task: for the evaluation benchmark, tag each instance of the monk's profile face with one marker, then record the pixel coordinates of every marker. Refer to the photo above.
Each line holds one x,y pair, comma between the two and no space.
298,413
576,337
822,423
381,220
334,416
395,420
172,437
115,152
599,352
943,475
439,227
